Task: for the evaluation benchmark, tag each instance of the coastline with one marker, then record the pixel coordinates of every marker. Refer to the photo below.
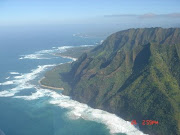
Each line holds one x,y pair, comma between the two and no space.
48,87
70,53
51,87
68,57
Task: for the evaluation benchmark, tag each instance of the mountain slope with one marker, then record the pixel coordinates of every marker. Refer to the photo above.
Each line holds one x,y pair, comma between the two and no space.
135,74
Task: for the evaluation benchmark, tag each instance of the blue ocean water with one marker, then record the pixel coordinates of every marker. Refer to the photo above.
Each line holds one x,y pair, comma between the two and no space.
28,109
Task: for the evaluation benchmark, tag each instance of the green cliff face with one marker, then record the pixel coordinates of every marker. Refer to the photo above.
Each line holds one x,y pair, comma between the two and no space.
135,74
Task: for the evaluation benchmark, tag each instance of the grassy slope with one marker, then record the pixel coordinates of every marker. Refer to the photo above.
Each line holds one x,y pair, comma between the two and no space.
53,77
76,52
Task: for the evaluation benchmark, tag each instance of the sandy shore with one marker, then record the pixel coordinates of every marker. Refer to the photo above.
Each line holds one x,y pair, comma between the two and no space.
49,87
55,88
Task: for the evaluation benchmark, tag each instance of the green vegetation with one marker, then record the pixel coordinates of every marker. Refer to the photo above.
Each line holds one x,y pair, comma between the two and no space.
135,74
76,52
53,77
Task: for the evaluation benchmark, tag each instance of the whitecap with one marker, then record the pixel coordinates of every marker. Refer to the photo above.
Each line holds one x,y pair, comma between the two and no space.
33,56
34,96
73,59
7,83
7,77
14,73
101,41
6,93
39,55
64,48
46,51
86,45
23,82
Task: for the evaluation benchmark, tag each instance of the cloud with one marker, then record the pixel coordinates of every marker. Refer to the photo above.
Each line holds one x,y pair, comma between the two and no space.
145,16
121,15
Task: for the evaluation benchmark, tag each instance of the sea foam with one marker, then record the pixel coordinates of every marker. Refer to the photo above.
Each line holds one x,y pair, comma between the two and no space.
7,83
23,81
79,110
14,73
7,77
33,56
40,55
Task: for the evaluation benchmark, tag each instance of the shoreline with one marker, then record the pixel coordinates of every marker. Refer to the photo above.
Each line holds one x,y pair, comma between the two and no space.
55,88
68,57
49,87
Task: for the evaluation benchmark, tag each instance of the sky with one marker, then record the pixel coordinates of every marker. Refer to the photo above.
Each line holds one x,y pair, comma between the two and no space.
25,12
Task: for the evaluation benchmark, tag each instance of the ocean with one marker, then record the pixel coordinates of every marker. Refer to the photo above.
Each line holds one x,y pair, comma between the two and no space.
26,108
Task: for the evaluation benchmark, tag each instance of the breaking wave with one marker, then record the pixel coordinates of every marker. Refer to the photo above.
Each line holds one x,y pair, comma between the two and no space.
14,73
7,77
7,83
44,54
22,81
33,56
39,55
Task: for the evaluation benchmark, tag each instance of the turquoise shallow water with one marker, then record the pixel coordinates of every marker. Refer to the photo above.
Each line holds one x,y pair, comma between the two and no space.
19,117
27,109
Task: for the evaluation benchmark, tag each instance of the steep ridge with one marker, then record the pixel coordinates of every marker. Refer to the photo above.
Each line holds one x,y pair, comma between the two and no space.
135,74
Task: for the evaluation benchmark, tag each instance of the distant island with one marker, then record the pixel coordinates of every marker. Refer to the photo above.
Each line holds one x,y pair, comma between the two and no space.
134,74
